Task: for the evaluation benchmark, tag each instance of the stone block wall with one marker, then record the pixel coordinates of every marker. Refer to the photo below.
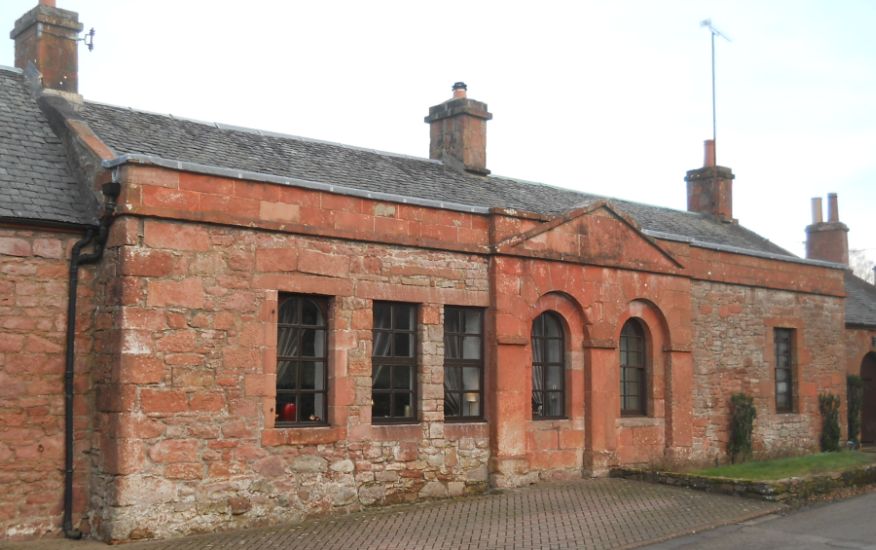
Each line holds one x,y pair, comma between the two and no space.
185,395
733,351
34,267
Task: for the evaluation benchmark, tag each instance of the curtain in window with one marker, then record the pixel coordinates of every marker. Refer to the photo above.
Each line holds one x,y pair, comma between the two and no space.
537,376
452,387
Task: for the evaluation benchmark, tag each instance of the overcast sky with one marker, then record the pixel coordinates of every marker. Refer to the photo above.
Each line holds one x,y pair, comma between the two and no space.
608,97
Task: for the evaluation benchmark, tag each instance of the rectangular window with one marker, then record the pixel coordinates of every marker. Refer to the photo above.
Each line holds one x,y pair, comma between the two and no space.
302,360
463,363
394,363
784,344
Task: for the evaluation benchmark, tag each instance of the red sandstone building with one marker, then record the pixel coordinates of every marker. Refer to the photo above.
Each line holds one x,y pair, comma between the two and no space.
268,326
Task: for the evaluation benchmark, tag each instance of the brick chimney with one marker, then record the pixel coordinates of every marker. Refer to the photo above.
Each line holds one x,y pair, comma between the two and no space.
710,188
827,240
458,131
48,37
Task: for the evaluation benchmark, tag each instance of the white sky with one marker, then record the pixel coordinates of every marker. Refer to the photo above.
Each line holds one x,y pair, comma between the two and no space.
609,97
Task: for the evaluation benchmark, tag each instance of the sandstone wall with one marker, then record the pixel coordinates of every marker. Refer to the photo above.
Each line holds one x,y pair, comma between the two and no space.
34,266
733,352
186,391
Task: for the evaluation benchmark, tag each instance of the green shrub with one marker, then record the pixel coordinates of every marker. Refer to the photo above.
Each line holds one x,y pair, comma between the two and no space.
742,415
855,401
829,404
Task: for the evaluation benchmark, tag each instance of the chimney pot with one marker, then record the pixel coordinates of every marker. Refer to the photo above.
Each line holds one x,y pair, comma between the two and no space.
711,159
50,3
816,210
459,89
827,240
832,208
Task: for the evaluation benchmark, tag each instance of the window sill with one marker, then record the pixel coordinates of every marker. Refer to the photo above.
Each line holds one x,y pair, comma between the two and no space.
639,421
396,431
302,435
474,428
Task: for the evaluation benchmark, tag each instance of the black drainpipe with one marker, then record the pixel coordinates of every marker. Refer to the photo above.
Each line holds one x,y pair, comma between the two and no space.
111,193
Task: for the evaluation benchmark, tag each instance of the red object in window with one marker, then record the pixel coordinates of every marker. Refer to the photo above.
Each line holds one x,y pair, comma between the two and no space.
288,412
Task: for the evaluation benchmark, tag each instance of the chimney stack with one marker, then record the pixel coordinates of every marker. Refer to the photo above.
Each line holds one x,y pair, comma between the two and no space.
48,36
458,131
828,240
710,188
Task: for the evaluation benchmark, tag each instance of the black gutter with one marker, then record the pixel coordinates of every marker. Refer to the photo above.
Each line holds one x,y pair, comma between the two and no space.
111,193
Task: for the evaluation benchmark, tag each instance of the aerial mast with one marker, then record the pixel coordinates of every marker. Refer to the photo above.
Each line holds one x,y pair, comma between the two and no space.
714,32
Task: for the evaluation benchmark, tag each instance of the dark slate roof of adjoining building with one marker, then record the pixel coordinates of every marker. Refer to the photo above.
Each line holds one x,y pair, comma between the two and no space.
860,301
35,182
130,132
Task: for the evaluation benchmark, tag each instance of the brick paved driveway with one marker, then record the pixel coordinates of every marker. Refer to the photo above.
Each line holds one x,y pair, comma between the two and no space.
593,513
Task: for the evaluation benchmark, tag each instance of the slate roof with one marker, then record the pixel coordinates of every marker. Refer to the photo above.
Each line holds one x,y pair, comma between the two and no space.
860,301
35,182
131,132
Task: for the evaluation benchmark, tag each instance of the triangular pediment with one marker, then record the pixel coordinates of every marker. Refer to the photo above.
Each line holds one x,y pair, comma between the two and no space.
598,233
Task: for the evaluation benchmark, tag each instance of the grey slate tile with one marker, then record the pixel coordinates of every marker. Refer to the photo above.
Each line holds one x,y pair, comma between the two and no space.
134,132
35,182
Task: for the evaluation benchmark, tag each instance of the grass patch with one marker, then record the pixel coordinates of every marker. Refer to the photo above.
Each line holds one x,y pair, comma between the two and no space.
795,466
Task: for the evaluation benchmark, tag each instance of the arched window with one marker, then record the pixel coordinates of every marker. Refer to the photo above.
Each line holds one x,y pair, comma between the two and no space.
633,361
548,367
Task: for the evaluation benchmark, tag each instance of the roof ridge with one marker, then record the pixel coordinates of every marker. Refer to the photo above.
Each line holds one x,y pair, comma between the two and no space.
7,68
267,133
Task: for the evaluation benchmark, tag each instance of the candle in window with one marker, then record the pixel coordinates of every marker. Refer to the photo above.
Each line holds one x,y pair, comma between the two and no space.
407,410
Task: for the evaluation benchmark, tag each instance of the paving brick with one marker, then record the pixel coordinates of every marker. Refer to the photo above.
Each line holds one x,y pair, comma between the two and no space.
592,513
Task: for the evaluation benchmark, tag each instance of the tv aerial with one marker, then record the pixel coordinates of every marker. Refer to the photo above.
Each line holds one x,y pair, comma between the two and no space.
714,32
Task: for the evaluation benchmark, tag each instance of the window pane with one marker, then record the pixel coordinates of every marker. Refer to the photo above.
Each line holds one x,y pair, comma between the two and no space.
403,345
312,375
288,313
287,375
452,379
555,351
404,317
286,410
319,407
471,377
381,315
380,409
537,403
554,378
381,344
471,404
554,405
537,350
287,342
451,403
308,342
473,321
552,326
634,403
401,377
380,377
451,320
452,348
471,347
311,314
401,407
306,409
